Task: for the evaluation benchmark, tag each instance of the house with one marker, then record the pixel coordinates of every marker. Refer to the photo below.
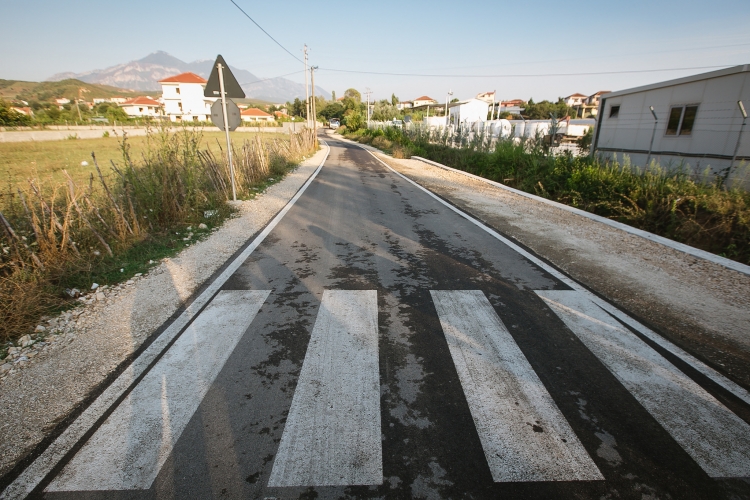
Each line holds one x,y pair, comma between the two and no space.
141,106
696,122
61,102
281,114
255,115
404,105
593,99
575,100
470,111
487,96
512,103
424,101
183,98
23,110
118,100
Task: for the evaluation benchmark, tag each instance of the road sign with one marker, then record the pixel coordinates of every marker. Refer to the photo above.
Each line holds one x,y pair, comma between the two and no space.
231,87
233,115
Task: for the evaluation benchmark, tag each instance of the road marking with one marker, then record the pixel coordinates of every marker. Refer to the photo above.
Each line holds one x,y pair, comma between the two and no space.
332,436
717,439
46,462
706,370
129,449
524,435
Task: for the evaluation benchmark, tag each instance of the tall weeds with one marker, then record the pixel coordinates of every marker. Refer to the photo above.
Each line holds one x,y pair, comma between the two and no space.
54,237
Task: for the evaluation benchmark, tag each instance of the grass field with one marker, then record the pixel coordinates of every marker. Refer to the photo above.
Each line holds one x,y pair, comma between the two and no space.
46,160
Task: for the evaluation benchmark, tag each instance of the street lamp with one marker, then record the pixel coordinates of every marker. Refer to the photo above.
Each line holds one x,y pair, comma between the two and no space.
739,137
447,99
653,134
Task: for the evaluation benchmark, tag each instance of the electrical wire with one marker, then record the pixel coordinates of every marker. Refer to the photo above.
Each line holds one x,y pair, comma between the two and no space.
272,78
264,31
535,75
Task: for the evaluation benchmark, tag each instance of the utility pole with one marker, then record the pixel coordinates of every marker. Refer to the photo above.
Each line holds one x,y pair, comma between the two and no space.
307,91
739,138
447,98
368,92
314,110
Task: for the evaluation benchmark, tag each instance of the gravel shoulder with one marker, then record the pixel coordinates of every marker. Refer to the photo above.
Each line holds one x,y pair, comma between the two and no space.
50,380
699,305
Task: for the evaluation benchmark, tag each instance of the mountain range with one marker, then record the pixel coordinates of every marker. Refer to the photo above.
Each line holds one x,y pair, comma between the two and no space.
144,74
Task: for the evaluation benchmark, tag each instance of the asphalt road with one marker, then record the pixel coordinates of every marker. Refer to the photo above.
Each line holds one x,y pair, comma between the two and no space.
380,344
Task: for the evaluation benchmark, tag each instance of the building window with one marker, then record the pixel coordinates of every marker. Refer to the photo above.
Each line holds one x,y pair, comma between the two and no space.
681,120
178,90
180,105
140,110
195,118
614,111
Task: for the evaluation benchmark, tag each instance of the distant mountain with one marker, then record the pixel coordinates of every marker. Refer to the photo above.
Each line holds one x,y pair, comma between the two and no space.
70,88
144,74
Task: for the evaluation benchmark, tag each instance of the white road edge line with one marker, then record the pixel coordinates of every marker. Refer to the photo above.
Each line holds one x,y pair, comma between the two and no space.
524,435
701,367
43,465
332,436
717,439
129,449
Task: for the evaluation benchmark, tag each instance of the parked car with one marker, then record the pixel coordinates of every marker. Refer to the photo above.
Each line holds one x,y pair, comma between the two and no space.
334,123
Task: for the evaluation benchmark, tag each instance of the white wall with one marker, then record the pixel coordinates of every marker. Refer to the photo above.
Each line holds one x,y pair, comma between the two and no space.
190,95
715,131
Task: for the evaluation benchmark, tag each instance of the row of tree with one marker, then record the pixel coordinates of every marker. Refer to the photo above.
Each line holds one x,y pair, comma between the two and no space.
352,111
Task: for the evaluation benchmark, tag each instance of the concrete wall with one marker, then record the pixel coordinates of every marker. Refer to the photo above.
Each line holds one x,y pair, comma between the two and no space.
58,133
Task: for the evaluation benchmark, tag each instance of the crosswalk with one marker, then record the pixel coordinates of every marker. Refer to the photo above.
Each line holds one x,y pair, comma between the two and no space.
333,434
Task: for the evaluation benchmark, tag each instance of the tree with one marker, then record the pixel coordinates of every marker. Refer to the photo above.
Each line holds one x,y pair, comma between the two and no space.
394,99
297,108
11,117
332,110
353,120
353,94
543,109
384,111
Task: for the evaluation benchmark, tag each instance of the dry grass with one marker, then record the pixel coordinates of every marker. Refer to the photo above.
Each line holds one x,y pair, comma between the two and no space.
57,234
46,160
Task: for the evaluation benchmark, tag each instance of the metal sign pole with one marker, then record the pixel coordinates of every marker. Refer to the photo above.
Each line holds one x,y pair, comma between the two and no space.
226,127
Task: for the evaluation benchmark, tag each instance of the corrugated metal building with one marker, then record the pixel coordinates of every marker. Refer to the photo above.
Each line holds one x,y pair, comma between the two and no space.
696,122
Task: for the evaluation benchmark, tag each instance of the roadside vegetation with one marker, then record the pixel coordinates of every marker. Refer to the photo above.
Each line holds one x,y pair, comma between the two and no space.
57,237
700,212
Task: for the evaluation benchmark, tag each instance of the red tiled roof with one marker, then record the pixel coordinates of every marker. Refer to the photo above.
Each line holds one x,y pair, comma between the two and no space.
141,101
424,98
254,112
577,95
184,78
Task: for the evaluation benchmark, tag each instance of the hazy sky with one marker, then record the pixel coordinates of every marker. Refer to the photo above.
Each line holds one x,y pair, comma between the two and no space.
493,41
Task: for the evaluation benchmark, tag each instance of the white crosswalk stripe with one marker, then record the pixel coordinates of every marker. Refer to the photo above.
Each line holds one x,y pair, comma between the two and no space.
524,435
128,450
717,439
332,434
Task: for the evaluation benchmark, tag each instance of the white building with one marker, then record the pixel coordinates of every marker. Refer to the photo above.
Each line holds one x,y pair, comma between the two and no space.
183,98
424,101
576,99
255,115
141,106
698,122
470,111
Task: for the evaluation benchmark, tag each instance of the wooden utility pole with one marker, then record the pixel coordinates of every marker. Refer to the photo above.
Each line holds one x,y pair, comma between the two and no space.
307,91
314,110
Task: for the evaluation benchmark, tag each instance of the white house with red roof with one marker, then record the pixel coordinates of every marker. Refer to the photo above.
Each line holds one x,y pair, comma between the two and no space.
255,115
141,106
183,98
423,101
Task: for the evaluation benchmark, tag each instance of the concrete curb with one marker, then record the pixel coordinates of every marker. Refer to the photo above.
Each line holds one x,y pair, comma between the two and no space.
695,252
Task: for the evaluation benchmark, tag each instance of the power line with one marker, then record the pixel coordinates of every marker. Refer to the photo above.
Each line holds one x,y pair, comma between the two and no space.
536,75
264,31
272,78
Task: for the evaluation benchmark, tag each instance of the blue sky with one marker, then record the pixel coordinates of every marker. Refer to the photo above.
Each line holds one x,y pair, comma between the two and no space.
489,40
